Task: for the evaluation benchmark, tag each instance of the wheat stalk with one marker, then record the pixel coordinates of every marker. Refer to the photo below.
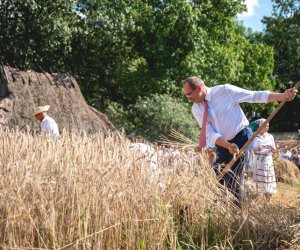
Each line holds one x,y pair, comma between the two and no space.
89,192
290,144
179,140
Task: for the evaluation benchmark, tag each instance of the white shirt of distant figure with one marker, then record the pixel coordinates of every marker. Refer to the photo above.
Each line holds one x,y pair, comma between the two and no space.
147,151
151,157
285,154
48,124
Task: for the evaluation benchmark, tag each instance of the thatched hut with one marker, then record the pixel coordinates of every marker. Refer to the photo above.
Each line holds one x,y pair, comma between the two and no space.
22,91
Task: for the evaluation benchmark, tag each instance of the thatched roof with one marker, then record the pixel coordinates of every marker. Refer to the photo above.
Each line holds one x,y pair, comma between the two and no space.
22,91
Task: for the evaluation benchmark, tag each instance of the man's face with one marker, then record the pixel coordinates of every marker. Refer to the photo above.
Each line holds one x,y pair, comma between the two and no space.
196,95
39,116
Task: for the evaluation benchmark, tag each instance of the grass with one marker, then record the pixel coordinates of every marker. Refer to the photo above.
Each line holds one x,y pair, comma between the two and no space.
288,195
92,192
295,187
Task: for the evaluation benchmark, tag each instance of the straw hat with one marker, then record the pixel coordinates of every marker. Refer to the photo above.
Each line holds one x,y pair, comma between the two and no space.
40,109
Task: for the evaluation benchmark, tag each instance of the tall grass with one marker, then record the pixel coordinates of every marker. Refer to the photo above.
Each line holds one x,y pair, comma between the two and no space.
91,192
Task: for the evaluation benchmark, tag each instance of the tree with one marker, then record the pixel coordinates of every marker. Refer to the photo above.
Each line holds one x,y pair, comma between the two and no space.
135,49
36,34
283,33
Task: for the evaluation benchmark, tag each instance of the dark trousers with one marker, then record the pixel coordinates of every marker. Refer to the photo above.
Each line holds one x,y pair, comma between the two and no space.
233,178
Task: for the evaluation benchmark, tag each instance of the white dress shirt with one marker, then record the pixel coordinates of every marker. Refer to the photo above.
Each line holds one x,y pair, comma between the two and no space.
225,116
49,126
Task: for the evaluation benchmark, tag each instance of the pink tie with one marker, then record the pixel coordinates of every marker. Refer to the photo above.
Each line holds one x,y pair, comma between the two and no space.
202,141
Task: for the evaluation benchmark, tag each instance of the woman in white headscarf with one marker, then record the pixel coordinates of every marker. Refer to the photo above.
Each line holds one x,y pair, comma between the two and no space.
263,172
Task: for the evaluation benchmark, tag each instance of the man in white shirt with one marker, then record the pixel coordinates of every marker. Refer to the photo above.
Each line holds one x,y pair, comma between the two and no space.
48,124
227,125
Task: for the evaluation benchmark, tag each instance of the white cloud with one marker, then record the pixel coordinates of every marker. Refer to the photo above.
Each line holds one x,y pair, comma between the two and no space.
251,6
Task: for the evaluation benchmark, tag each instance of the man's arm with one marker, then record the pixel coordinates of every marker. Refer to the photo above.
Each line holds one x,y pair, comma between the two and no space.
232,148
287,95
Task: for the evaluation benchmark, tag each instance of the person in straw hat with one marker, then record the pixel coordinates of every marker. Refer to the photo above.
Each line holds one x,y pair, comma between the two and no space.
48,124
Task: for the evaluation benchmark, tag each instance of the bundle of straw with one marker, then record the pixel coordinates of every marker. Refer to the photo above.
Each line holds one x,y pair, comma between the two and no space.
176,139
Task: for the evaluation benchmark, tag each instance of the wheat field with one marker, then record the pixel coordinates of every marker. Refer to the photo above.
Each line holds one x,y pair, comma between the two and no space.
91,192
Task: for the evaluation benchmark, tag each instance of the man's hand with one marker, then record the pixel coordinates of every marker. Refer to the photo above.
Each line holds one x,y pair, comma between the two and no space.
233,149
289,94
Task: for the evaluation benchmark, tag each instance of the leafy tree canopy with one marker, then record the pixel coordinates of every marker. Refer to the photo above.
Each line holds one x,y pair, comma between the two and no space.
138,48
36,34
283,34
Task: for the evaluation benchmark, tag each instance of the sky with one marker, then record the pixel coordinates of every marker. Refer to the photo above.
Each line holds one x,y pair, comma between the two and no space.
256,9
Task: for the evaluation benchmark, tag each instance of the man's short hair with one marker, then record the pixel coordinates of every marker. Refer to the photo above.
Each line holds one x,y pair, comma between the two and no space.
194,81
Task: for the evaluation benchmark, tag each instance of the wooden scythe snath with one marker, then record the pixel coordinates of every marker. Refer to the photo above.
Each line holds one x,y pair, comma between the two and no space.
243,149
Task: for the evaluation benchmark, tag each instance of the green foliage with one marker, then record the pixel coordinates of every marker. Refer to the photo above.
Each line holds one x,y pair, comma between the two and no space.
36,34
139,48
156,115
283,33
120,117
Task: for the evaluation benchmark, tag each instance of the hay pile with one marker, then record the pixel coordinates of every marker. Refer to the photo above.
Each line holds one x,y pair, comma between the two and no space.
286,171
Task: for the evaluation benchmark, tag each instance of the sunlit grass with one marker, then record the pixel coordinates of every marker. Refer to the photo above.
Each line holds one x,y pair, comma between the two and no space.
288,195
89,191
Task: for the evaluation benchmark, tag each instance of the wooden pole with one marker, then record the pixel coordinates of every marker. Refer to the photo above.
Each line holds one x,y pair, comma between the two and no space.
243,149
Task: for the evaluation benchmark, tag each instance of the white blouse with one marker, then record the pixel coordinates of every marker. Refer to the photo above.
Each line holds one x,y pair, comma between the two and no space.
266,141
